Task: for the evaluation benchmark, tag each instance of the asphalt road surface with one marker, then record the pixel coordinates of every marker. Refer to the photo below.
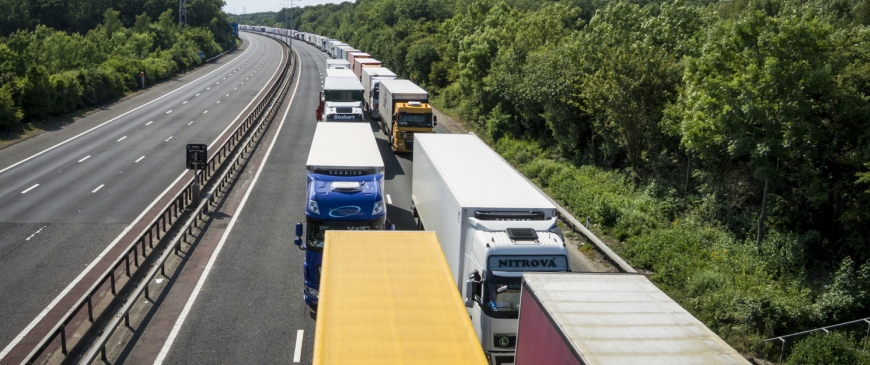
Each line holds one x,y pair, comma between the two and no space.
66,195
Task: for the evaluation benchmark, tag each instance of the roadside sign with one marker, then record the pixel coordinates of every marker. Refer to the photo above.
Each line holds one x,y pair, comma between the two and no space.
196,156
201,56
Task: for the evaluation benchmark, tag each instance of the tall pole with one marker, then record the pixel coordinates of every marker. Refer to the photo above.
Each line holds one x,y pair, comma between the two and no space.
182,13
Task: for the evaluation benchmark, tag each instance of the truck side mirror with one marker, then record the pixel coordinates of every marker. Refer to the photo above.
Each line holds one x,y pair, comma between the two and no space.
297,241
469,293
435,118
299,229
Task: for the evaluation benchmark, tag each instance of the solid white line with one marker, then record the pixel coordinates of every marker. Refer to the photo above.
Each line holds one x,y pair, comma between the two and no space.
34,233
29,189
82,274
86,157
3,353
167,140
139,159
149,122
122,138
297,353
98,188
180,321
389,201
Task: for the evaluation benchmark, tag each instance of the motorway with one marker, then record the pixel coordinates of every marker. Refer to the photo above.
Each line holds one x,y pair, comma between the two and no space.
247,307
68,196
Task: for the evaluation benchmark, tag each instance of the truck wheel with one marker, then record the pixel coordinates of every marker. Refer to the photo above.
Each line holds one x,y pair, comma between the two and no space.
392,146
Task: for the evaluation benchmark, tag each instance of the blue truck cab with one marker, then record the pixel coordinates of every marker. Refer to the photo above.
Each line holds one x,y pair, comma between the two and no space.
344,191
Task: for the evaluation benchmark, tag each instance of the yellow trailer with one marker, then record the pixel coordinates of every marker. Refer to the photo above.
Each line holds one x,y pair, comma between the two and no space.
388,297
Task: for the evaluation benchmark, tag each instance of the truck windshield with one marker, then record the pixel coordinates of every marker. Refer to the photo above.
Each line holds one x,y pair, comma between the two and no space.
502,297
317,229
344,95
415,120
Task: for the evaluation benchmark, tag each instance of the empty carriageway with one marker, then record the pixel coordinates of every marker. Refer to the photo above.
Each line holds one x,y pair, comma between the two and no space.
70,196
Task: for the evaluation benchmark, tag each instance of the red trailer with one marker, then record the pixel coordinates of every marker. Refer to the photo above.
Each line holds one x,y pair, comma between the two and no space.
608,319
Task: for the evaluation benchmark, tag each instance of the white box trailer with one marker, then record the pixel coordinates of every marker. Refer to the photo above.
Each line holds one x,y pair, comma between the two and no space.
332,48
339,72
492,224
609,318
396,91
338,64
343,50
371,80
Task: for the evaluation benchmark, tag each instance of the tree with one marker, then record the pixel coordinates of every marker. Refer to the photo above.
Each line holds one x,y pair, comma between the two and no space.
756,93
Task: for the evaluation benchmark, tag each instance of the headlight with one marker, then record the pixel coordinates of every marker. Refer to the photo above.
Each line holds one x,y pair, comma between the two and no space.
312,206
379,208
312,292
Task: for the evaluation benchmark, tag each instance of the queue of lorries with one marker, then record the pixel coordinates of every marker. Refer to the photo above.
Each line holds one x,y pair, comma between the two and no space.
485,278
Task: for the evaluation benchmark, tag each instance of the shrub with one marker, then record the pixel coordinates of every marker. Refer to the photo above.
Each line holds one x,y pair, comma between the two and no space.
827,349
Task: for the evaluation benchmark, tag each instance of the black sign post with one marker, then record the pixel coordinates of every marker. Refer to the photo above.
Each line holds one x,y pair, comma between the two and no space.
197,156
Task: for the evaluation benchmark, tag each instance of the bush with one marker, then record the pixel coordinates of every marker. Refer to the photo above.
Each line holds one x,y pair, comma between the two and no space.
827,349
10,115
67,91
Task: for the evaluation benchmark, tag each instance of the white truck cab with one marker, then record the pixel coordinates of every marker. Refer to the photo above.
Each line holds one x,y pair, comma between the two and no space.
337,111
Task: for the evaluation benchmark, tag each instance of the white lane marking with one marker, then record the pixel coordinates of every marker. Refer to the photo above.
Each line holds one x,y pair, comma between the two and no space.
167,140
297,353
184,312
29,189
235,88
149,122
34,233
227,95
185,102
170,111
206,111
122,138
389,201
218,102
217,82
191,122
98,188
99,258
196,95
6,350
139,159
208,88
86,157
242,83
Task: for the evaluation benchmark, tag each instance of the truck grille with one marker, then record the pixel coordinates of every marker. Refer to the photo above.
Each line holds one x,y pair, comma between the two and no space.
503,341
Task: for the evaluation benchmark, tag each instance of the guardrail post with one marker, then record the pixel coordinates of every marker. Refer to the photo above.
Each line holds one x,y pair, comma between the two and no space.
128,264
867,335
782,351
90,310
143,248
63,339
113,283
136,257
103,353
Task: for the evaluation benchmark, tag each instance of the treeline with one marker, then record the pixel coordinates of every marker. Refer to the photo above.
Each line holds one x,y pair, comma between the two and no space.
48,71
723,145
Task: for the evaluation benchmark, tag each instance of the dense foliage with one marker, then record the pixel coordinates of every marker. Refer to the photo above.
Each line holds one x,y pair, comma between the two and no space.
47,67
723,145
